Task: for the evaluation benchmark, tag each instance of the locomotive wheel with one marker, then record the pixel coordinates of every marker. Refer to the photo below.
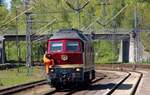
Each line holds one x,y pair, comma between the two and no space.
93,74
58,87
87,80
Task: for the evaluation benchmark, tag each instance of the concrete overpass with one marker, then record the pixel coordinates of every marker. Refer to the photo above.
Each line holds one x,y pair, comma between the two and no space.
101,36
126,39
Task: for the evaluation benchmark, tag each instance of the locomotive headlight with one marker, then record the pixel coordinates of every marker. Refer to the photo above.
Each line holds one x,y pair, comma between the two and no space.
78,69
51,70
64,57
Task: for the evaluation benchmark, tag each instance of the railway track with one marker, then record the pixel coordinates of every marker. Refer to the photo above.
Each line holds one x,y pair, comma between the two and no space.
111,83
95,88
11,90
101,87
69,92
126,86
131,84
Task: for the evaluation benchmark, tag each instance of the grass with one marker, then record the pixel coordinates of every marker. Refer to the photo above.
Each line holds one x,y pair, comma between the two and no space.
12,77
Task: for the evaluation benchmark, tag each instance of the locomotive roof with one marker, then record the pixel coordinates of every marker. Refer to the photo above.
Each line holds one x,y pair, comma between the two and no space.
69,34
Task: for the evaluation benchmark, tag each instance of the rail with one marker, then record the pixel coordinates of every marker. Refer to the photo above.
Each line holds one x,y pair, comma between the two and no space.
14,89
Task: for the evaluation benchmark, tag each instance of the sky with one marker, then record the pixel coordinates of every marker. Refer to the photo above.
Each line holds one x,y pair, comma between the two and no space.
8,4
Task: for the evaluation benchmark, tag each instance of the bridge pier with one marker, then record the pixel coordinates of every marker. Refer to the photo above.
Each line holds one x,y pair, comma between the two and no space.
1,50
120,59
127,50
132,49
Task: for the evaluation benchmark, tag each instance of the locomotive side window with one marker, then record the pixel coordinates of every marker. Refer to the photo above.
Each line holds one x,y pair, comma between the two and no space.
56,46
72,46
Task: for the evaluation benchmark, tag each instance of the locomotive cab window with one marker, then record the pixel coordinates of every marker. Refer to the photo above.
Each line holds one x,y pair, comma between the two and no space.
56,46
72,46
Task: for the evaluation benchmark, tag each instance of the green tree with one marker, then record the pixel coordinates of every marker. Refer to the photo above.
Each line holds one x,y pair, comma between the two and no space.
3,14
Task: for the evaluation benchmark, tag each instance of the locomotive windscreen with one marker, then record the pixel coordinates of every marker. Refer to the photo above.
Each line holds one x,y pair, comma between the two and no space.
56,46
72,46
65,46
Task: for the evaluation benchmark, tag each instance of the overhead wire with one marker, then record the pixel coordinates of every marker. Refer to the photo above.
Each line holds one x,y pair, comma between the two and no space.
86,28
16,17
41,29
78,9
111,19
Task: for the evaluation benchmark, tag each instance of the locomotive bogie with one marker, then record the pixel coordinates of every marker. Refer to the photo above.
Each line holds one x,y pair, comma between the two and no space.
67,76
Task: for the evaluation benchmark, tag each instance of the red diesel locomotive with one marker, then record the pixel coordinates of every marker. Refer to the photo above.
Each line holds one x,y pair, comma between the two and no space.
73,56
